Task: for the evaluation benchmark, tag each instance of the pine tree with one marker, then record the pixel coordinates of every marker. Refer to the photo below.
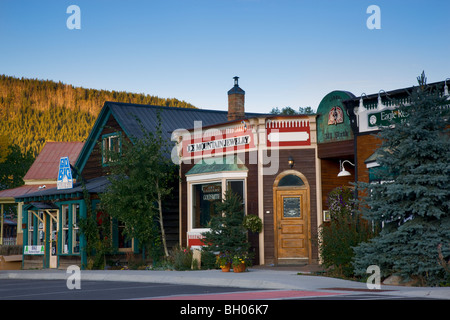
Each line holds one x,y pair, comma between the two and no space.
412,201
227,233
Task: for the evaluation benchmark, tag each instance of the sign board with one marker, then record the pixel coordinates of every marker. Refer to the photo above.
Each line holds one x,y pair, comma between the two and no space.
65,180
333,124
218,140
33,250
386,117
288,132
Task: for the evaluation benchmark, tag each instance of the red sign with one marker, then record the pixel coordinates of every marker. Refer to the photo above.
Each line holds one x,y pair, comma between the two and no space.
215,141
286,132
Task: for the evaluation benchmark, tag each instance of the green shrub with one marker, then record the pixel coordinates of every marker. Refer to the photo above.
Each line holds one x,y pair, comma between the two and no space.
181,258
345,230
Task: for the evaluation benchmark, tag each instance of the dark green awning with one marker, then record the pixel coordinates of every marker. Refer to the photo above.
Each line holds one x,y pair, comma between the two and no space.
212,165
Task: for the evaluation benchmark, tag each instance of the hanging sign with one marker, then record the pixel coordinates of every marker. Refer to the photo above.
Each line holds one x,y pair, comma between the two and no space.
65,180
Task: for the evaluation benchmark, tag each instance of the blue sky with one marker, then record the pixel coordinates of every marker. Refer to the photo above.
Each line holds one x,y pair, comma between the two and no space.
286,53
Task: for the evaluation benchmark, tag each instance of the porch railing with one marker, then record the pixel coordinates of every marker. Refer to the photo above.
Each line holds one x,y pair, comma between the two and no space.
9,241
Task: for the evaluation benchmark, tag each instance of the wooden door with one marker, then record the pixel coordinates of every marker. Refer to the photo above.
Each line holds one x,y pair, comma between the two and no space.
53,240
291,229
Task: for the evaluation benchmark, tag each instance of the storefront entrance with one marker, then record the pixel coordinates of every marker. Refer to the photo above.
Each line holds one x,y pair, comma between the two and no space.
53,252
291,215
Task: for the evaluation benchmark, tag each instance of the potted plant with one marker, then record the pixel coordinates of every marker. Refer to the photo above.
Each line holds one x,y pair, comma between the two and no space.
224,262
252,223
240,263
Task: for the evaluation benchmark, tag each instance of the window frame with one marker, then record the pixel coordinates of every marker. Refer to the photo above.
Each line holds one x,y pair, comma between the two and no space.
219,177
68,226
106,146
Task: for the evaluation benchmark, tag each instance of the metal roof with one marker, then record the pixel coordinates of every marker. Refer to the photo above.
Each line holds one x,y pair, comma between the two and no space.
46,165
172,118
96,185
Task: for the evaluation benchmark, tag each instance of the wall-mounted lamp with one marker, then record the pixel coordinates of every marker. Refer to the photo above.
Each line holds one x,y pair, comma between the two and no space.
344,173
361,104
291,161
380,102
446,87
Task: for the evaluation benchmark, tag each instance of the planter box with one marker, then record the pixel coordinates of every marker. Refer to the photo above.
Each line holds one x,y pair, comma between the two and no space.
13,262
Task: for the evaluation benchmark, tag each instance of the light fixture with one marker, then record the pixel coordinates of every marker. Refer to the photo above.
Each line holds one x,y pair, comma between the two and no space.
344,173
361,104
291,161
380,102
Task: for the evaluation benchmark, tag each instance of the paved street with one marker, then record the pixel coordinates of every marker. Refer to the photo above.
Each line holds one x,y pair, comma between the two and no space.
257,284
99,290
16,289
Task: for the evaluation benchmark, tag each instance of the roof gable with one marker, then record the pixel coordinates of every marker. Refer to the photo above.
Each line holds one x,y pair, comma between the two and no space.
131,117
46,165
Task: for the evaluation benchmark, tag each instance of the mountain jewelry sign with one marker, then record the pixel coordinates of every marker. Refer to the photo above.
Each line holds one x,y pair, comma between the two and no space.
219,144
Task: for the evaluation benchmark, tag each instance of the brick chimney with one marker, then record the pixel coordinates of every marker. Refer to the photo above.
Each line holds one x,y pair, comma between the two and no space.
236,98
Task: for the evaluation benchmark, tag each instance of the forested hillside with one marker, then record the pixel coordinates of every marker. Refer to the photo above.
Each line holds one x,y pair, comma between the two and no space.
34,111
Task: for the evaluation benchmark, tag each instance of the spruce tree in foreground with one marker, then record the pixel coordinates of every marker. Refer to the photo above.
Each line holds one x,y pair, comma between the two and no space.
227,234
412,199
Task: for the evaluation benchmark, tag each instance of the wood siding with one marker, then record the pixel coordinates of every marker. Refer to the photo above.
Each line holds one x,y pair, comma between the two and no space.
305,164
365,146
330,180
94,168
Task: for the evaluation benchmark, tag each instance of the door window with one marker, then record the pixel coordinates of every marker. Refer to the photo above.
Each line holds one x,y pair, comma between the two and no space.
291,207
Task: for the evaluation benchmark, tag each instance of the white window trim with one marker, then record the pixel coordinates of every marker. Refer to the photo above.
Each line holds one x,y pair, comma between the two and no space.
217,177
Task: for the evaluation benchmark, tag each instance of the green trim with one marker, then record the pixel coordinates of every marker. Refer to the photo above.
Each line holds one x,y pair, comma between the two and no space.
70,226
104,136
93,138
219,165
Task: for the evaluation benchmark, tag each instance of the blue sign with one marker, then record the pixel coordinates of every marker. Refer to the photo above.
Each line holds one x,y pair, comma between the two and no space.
65,180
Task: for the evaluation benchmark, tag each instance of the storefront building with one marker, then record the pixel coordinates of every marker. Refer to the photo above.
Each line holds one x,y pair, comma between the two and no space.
368,113
335,145
271,162
51,232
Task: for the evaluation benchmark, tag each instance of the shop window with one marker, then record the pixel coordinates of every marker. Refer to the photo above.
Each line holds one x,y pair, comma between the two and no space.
206,196
111,147
31,228
124,242
75,228
41,233
65,228
204,199
237,187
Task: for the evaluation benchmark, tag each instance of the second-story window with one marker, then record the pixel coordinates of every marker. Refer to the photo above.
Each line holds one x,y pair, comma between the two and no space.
111,147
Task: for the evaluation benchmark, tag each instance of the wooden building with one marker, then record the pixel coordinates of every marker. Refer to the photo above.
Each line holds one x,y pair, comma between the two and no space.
335,144
52,237
42,174
368,113
271,162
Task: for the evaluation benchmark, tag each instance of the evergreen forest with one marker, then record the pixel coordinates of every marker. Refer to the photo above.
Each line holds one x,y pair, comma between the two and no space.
34,111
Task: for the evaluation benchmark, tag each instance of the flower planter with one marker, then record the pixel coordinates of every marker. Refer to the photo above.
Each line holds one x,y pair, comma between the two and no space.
239,268
226,268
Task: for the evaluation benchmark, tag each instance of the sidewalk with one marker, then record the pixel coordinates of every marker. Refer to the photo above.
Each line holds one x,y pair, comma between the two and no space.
278,278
